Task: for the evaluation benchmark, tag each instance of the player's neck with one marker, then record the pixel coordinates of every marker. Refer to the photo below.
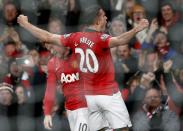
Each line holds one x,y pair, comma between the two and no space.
94,27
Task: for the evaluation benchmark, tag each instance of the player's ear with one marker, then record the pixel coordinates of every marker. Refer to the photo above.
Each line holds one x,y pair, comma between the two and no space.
97,21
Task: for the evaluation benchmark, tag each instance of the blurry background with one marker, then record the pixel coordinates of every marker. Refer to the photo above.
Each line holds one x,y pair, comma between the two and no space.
139,65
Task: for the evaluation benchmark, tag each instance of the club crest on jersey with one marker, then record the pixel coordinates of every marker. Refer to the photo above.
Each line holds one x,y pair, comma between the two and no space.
74,64
104,37
66,35
68,78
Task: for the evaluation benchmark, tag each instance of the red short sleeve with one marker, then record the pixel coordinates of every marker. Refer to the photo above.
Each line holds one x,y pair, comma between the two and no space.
104,40
66,39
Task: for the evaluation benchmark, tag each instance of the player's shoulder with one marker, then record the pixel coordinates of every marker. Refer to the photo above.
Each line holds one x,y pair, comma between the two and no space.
99,35
68,35
104,36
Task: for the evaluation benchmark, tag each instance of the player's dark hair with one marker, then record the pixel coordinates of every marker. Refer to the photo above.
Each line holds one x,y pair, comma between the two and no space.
89,15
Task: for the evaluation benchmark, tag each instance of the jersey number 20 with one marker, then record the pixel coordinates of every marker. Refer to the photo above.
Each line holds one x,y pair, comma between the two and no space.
85,57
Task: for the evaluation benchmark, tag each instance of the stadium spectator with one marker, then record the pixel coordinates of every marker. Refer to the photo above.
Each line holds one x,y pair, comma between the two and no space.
129,8
17,75
136,94
38,83
25,119
59,8
153,115
10,51
125,65
173,81
116,27
9,28
168,16
151,7
56,26
171,23
8,108
148,61
128,94
161,45
117,7
10,13
138,13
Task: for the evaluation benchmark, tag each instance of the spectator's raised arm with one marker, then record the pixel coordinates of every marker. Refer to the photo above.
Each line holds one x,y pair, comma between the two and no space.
152,29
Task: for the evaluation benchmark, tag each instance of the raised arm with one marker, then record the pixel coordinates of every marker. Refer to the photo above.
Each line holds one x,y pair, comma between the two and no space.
41,34
127,36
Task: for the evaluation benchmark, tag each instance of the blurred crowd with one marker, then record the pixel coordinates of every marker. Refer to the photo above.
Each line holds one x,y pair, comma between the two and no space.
149,70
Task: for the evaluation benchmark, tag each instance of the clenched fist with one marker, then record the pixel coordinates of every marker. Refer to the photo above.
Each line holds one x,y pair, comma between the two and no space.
22,20
167,65
144,23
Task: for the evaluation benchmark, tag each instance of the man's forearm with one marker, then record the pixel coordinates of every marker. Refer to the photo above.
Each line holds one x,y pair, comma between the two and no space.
41,34
123,38
126,37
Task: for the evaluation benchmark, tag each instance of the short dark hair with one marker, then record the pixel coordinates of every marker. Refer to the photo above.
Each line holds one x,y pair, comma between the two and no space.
89,15
169,4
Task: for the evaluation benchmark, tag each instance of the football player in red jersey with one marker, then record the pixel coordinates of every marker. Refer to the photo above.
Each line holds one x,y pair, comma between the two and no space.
63,72
103,98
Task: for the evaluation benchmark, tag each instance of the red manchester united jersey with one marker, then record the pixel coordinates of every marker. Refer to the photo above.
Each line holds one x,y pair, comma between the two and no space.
95,61
66,74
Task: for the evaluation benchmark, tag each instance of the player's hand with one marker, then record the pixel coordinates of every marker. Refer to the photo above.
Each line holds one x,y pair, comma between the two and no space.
22,20
48,122
144,23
